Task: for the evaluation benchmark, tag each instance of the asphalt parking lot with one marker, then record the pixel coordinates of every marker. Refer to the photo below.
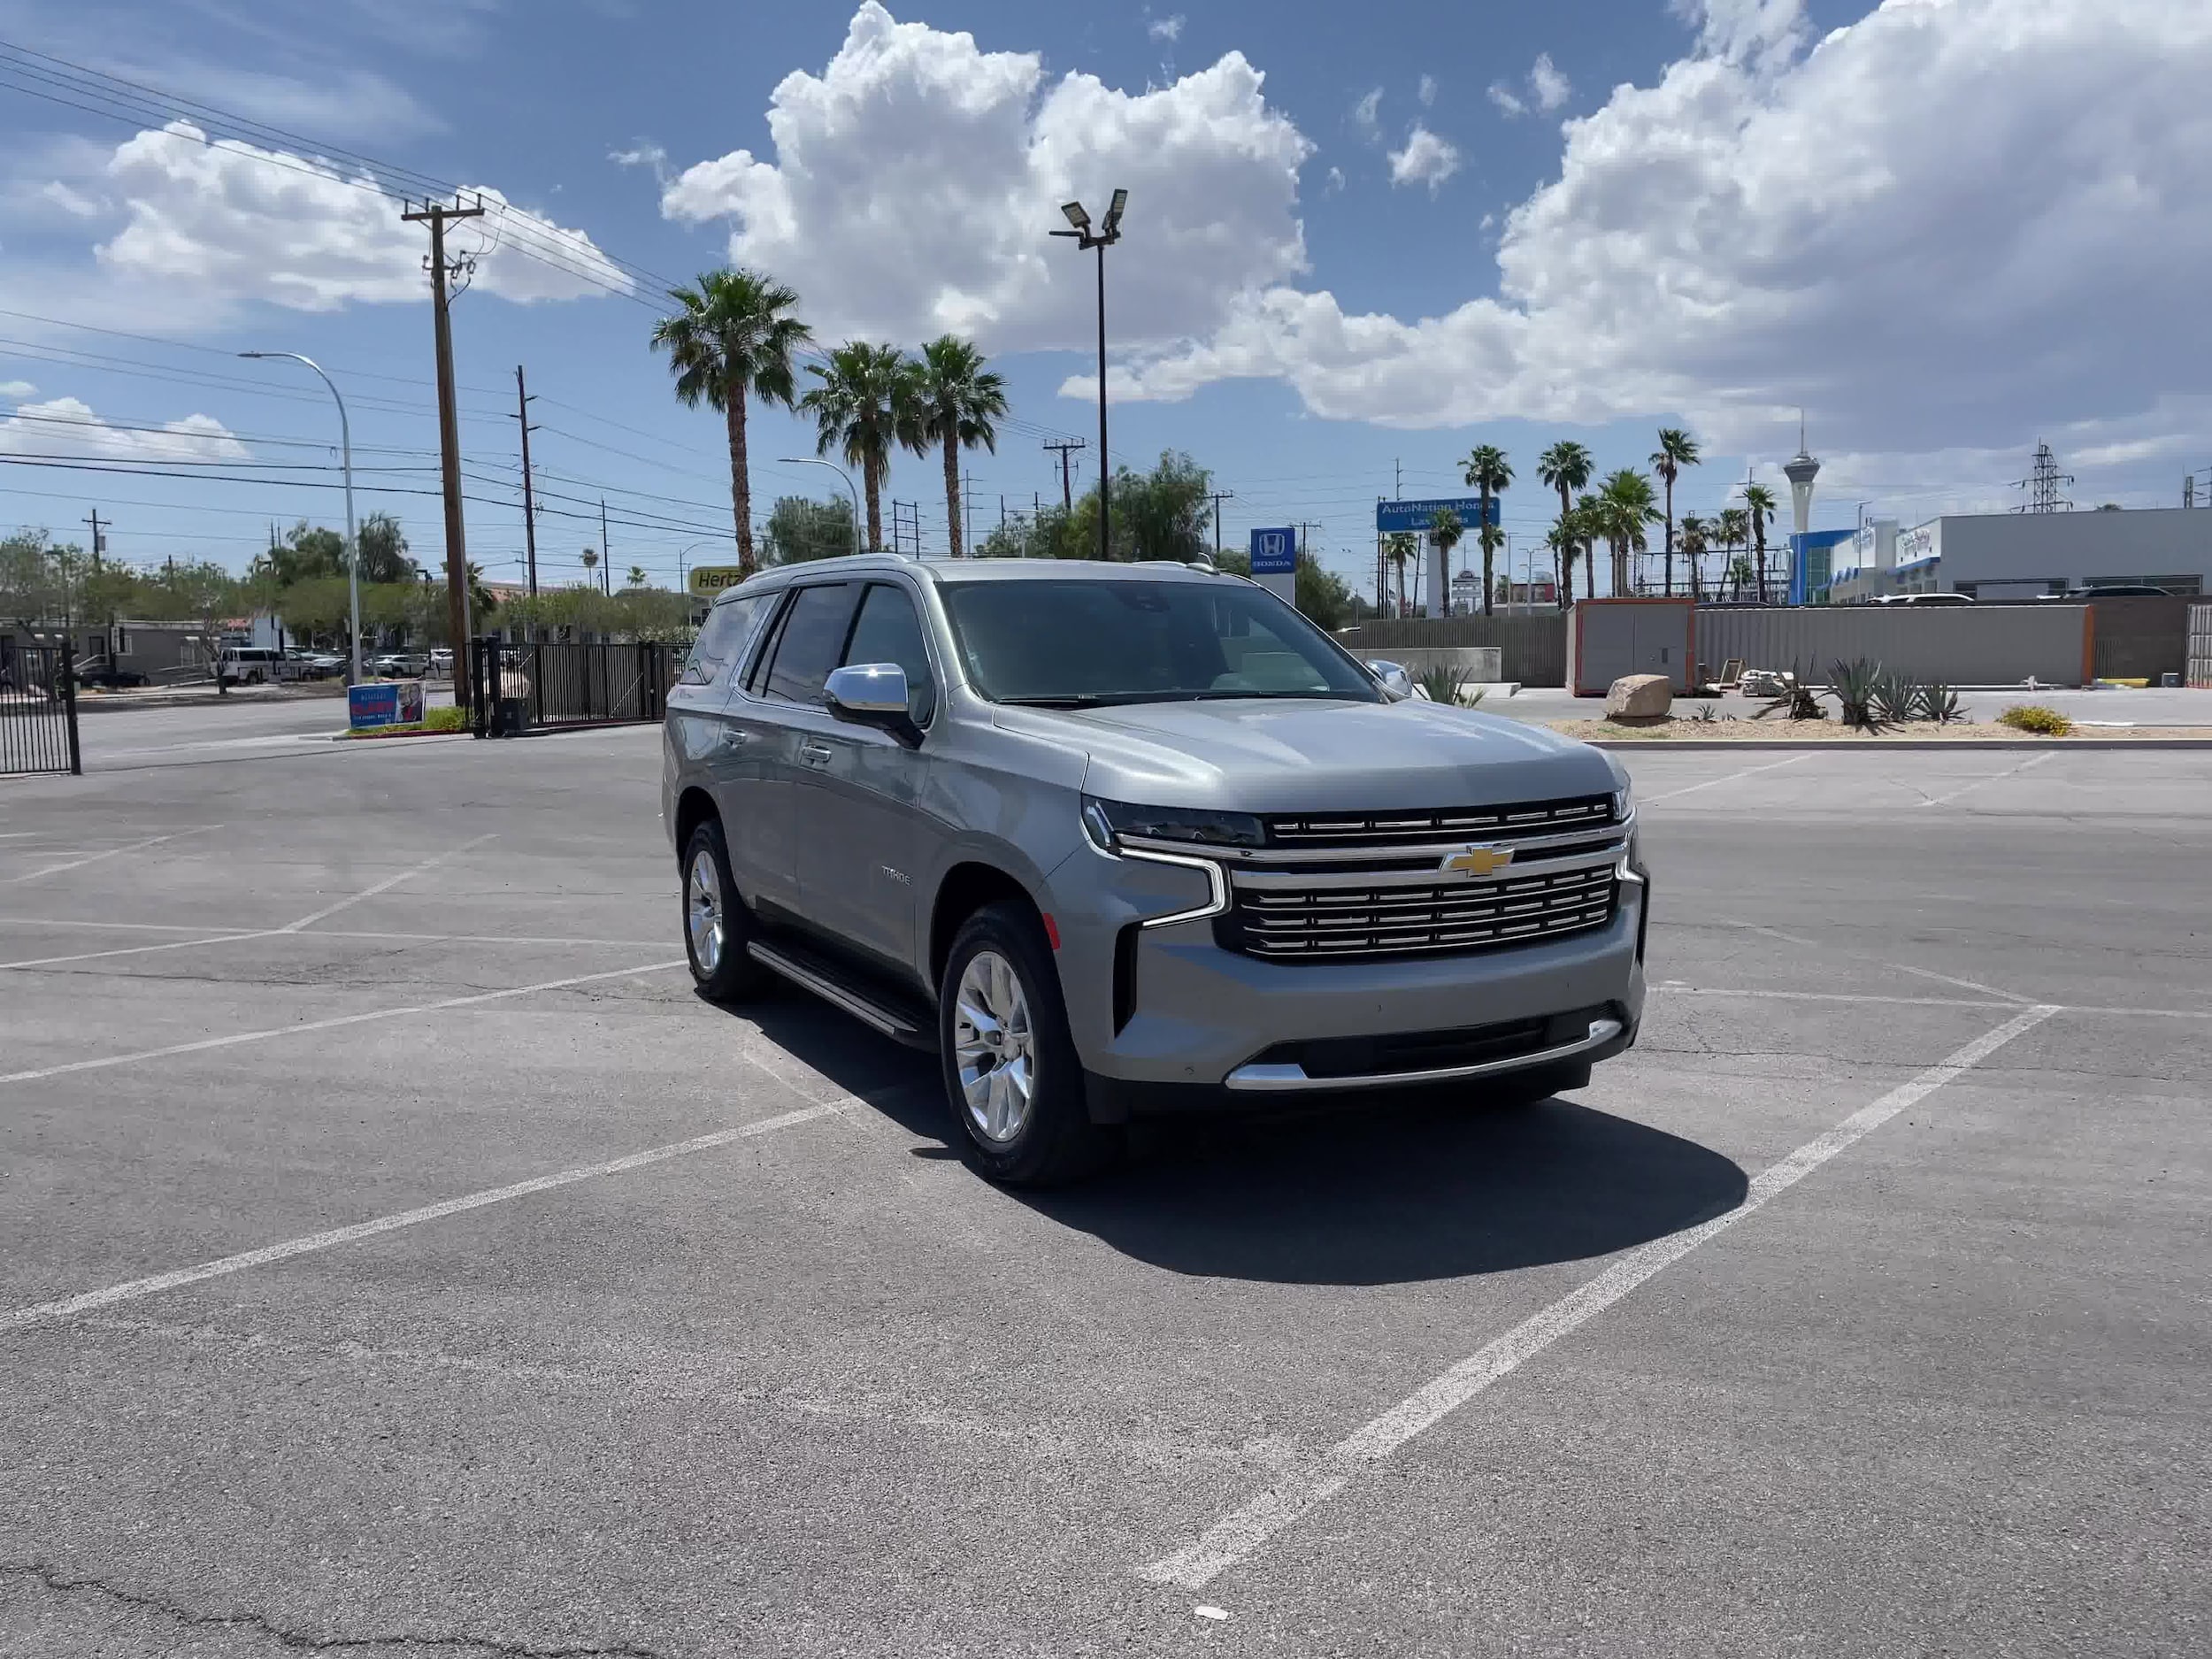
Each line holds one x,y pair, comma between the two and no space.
404,1263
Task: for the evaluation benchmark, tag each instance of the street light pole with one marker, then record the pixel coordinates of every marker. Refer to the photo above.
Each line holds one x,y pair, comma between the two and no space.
1107,233
851,494
353,545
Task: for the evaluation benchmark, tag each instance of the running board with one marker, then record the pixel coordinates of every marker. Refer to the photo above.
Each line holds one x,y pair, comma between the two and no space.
845,990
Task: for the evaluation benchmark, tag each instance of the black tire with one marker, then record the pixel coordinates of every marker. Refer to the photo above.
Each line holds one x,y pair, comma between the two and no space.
1056,1141
254,678
730,975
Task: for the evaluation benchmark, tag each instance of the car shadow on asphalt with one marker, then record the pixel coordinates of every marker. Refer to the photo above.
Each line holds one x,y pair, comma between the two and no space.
1394,1188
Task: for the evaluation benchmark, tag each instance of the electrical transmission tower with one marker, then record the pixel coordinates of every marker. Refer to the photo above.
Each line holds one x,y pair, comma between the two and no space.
2044,484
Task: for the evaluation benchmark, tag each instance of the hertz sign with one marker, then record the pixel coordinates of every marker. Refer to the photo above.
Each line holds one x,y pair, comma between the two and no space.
708,580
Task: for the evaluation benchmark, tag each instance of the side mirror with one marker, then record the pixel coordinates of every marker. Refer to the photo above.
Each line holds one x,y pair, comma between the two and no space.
872,693
1392,677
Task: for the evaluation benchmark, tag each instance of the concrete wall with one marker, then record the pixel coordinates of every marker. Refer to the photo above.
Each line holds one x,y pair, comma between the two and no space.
2076,548
1534,649
1960,645
2141,639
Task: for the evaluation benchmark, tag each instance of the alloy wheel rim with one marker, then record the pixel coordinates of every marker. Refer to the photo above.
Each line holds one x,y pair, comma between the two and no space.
994,1047
703,912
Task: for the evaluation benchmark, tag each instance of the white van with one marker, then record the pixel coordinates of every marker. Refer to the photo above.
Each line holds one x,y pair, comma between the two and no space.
255,665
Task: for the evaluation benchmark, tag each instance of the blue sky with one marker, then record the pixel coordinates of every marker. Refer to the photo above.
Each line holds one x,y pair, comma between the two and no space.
1358,237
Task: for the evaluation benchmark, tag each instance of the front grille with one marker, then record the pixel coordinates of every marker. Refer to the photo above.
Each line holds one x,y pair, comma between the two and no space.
1319,924
1352,829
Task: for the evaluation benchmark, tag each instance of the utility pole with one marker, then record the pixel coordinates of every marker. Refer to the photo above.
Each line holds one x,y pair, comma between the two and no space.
1220,495
529,510
1067,490
457,570
606,552
99,541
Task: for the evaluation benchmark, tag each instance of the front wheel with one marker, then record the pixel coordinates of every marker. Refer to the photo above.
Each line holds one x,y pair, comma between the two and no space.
1013,1080
714,919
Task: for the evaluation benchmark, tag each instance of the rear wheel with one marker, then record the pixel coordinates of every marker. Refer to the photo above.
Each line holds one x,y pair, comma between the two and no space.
716,924
1013,1080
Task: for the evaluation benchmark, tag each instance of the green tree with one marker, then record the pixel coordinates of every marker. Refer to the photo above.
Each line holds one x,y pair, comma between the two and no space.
960,399
383,551
1486,470
1734,529
1738,573
1759,508
730,343
1694,533
1445,530
868,403
590,557
1676,450
1319,593
1566,467
636,577
799,530
1626,508
1565,544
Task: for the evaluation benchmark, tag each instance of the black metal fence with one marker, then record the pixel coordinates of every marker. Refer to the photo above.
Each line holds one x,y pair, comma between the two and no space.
38,710
515,687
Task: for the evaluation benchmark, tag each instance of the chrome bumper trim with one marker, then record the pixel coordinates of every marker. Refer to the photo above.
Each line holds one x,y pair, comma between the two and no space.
1286,1079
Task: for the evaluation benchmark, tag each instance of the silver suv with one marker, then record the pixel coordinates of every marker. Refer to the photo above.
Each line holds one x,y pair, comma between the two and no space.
1118,839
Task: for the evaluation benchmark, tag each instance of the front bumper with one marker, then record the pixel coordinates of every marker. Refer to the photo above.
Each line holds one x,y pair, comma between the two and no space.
1161,1007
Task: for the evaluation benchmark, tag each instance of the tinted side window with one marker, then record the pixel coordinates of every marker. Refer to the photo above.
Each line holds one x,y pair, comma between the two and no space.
720,639
889,632
813,638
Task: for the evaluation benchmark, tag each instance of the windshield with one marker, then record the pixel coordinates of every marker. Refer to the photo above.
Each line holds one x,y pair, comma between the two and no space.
1077,643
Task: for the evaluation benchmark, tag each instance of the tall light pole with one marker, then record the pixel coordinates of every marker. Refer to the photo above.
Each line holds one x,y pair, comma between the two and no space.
1107,233
353,545
851,494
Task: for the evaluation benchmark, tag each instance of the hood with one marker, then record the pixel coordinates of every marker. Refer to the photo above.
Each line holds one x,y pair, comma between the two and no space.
1300,757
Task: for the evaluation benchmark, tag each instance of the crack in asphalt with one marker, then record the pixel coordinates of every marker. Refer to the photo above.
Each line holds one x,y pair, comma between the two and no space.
53,1578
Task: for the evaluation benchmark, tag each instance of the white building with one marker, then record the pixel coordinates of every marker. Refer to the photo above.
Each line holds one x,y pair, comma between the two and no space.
2021,556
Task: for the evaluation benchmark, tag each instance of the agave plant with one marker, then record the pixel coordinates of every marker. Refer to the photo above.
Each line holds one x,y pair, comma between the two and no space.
1854,684
1939,702
1895,698
1797,700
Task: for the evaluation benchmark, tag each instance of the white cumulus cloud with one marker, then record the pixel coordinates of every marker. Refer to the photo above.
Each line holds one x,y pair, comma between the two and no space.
1425,159
914,180
1506,99
1550,85
17,389
67,426
228,220
1947,219
1168,29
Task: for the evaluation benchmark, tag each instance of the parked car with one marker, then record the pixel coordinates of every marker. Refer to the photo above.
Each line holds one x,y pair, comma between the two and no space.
252,665
2115,590
1117,839
103,673
1924,599
395,666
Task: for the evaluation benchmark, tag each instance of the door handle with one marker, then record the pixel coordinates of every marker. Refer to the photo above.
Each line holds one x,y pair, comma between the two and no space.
732,737
815,754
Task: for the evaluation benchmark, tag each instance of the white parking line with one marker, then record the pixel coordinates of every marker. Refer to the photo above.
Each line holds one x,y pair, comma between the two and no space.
1895,967
384,886
1242,1535
113,852
1676,987
1748,771
48,1313
334,1023
1944,800
135,950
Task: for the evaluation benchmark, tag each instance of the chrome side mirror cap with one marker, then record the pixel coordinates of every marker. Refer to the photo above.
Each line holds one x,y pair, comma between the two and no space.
1392,677
872,693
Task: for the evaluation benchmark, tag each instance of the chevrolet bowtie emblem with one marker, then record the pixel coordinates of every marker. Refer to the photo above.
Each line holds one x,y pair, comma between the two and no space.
1477,861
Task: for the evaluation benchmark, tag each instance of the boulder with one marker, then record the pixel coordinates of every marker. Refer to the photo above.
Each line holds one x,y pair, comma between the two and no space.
1638,697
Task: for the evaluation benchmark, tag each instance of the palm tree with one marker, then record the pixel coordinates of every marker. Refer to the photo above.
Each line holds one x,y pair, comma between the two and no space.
1694,531
636,577
1566,467
482,600
1445,530
1564,543
1486,470
1626,500
868,403
1676,450
1759,507
1735,529
960,400
732,340
591,562
1738,573
1588,519
1491,537
1398,548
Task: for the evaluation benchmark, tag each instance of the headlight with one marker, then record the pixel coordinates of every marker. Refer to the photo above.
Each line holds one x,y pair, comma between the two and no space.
1620,804
1106,822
